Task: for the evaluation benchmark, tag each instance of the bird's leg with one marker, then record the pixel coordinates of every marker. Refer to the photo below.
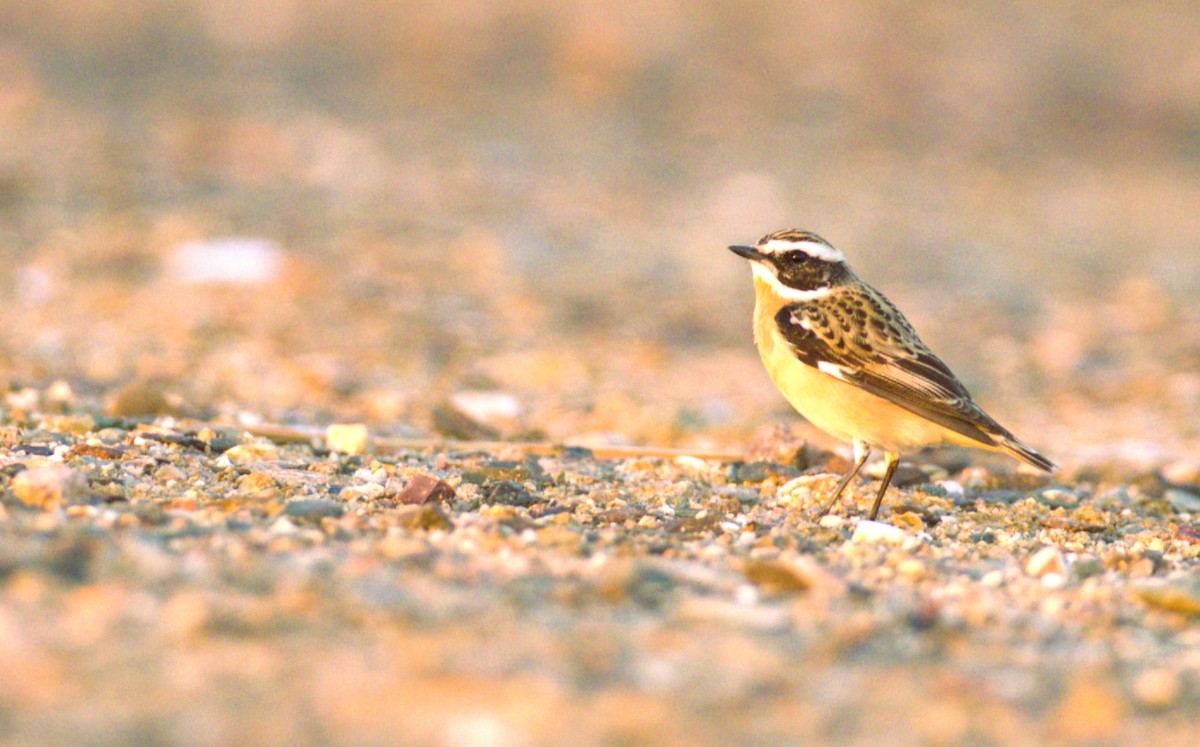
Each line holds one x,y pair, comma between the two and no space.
893,459
861,452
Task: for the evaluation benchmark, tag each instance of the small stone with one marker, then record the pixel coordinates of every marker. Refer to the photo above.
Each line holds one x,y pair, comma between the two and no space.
508,493
1182,473
283,525
313,508
1086,566
993,579
452,422
778,577
139,399
876,532
744,496
909,521
1183,598
98,450
497,409
60,393
347,438
907,475
258,485
831,521
1046,561
425,489
1182,500
226,261
1157,689
367,491
48,487
259,451
424,516
952,487
1058,498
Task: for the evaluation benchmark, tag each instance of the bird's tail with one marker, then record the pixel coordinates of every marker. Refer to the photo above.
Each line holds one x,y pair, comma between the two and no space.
1011,446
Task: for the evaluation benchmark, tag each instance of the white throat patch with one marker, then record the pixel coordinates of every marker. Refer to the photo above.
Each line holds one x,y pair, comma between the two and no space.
764,273
814,249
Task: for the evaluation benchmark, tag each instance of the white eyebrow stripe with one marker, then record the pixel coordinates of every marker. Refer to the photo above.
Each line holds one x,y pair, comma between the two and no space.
813,249
791,294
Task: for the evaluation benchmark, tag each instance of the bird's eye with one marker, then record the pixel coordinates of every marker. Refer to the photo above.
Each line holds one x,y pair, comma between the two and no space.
794,257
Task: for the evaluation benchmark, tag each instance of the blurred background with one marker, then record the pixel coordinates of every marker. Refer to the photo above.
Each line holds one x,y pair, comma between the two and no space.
307,210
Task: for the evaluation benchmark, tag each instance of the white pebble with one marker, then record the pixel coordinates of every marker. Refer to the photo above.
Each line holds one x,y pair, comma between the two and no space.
830,521
872,532
1048,560
234,261
953,487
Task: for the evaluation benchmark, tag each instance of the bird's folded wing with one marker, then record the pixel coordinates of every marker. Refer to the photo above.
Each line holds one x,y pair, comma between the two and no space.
860,338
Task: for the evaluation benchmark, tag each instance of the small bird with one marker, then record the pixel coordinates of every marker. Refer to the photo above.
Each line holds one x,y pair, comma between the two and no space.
846,358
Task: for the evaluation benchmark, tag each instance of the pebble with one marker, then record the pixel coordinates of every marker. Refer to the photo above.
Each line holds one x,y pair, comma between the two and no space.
425,516
952,487
1179,596
283,525
139,399
1182,473
877,532
226,261
778,577
508,493
498,409
907,521
257,485
313,508
1046,561
251,453
48,488
347,438
451,421
425,489
1183,501
367,491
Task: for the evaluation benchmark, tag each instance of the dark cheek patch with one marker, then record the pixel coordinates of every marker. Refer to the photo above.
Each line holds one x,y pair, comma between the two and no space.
802,277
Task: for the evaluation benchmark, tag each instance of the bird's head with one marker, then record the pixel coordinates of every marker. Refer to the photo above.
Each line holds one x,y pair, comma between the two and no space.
797,265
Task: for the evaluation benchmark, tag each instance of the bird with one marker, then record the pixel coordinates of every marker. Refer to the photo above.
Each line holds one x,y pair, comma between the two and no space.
850,362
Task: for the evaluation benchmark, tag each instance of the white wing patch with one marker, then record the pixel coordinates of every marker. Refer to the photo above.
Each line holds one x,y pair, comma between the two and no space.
832,369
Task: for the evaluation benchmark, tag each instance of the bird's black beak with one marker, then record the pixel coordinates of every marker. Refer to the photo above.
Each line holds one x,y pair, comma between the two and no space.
746,252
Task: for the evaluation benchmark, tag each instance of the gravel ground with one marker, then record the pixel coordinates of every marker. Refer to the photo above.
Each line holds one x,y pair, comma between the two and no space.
172,581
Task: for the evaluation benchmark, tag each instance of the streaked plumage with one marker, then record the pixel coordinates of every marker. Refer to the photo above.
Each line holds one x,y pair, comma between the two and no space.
850,362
